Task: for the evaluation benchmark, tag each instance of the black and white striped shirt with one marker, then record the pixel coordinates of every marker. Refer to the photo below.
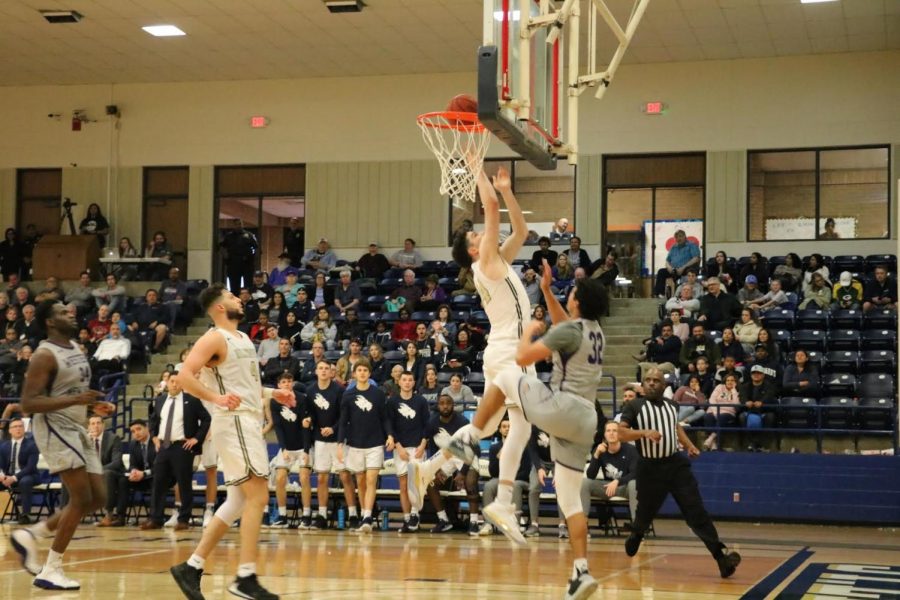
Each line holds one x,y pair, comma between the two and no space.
661,416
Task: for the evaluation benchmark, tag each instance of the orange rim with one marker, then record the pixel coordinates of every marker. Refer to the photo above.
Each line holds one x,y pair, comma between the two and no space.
460,121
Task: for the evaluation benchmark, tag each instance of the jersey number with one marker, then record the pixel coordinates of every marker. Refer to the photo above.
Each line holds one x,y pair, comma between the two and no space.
594,357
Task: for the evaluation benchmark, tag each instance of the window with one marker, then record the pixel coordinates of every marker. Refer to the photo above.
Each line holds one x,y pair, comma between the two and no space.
833,193
546,197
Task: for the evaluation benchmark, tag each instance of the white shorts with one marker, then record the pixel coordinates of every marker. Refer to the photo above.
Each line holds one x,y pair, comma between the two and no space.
400,465
298,458
359,460
209,459
500,357
242,449
325,458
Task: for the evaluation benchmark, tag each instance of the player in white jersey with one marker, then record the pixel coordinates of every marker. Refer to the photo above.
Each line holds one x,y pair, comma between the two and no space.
56,393
567,411
227,361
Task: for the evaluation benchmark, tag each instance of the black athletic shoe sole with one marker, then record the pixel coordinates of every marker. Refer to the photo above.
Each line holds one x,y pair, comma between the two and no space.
182,576
632,544
728,564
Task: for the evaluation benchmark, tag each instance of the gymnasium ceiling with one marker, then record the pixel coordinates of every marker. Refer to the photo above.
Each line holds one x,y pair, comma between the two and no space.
286,39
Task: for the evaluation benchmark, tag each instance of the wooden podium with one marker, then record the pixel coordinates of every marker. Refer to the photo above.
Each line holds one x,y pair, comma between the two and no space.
66,256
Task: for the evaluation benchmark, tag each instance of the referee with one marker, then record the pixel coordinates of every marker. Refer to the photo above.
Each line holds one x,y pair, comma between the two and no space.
662,469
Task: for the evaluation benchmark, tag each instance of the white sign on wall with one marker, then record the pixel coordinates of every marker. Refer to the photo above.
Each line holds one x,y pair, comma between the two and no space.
804,228
665,239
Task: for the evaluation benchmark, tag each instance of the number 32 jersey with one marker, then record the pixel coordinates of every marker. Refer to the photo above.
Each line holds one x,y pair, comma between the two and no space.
577,347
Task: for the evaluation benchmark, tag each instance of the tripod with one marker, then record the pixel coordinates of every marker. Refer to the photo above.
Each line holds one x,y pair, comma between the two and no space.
67,206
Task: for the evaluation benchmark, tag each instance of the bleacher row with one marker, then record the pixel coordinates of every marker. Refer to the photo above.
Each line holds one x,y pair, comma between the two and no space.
857,265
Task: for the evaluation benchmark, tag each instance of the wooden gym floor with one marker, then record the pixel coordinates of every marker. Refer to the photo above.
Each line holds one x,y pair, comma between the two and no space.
779,561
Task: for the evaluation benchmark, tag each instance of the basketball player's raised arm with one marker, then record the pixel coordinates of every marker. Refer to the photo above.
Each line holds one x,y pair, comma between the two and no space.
38,378
557,313
209,348
489,246
529,350
519,228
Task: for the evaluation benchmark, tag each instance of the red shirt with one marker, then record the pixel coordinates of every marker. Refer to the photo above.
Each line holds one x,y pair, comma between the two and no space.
404,330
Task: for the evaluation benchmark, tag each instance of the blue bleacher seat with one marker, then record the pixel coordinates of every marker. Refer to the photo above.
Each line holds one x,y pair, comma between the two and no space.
845,361
388,285
809,339
811,318
778,318
879,339
375,302
843,339
848,262
389,317
795,411
874,260
875,413
837,384
443,377
394,355
432,266
880,318
459,316
876,385
464,301
480,317
878,361
839,412
333,355
782,337
846,319
424,315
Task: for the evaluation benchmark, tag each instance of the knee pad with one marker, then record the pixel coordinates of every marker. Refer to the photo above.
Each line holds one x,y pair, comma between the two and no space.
233,506
568,490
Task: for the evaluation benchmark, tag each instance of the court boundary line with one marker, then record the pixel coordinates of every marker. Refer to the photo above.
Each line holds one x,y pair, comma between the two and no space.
92,560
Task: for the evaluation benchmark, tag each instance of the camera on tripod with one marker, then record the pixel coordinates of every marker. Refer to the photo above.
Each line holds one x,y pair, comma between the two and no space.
67,215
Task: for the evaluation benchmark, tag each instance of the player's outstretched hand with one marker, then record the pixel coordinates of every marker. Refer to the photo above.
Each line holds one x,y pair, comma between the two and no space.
89,397
285,397
533,329
102,409
546,275
228,401
502,182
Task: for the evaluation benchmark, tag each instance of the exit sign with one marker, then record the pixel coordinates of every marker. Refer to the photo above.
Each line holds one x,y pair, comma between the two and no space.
259,122
653,108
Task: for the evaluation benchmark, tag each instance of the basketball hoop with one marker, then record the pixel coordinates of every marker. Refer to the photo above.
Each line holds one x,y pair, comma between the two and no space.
459,141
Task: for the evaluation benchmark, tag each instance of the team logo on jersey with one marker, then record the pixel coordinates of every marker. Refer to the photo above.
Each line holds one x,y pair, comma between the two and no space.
321,402
407,411
363,403
612,472
543,440
288,415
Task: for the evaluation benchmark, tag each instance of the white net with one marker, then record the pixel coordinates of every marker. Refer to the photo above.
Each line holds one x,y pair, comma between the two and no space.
459,142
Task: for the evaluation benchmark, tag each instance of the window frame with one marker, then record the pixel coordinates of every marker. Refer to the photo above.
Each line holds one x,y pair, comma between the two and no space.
818,151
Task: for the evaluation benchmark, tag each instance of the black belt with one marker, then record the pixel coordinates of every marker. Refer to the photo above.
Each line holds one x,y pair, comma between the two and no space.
166,445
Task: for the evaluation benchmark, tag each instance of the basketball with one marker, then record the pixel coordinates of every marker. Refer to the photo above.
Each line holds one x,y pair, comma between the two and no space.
464,103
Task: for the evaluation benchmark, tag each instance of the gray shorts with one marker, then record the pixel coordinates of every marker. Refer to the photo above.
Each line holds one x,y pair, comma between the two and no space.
569,420
64,445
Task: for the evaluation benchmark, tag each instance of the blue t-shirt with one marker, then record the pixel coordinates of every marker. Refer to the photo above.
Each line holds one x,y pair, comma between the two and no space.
681,254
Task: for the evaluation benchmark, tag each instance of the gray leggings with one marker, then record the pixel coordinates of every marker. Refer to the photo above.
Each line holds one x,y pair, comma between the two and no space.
489,494
534,495
597,489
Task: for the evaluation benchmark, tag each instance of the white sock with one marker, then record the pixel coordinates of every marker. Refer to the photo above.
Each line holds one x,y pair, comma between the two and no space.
442,515
415,512
282,511
351,511
210,505
504,493
306,511
54,559
367,514
40,530
324,512
475,518
246,570
266,510
580,566
406,517
178,505
196,561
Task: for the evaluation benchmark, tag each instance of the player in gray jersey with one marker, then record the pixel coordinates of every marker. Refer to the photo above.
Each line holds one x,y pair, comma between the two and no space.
567,411
56,392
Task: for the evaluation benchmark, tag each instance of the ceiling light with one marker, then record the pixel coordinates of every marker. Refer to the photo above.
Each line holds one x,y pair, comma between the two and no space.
61,16
163,30
815,1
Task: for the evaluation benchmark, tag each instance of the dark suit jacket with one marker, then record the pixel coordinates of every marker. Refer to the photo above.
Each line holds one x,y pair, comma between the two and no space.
111,451
196,420
28,458
136,460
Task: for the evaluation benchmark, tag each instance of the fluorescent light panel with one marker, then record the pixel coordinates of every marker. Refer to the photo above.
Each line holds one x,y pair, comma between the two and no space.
514,15
163,30
815,1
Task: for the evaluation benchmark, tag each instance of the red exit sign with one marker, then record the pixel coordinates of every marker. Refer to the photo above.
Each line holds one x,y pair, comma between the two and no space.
654,108
259,122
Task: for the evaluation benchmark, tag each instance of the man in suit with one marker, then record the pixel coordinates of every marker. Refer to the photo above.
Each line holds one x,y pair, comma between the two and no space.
18,467
179,426
141,454
108,447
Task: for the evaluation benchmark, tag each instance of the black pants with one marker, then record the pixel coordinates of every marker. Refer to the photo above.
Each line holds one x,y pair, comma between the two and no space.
656,479
24,486
237,270
660,288
173,465
118,489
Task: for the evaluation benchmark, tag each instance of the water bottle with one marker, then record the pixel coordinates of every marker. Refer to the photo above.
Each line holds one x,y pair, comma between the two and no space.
385,520
340,518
